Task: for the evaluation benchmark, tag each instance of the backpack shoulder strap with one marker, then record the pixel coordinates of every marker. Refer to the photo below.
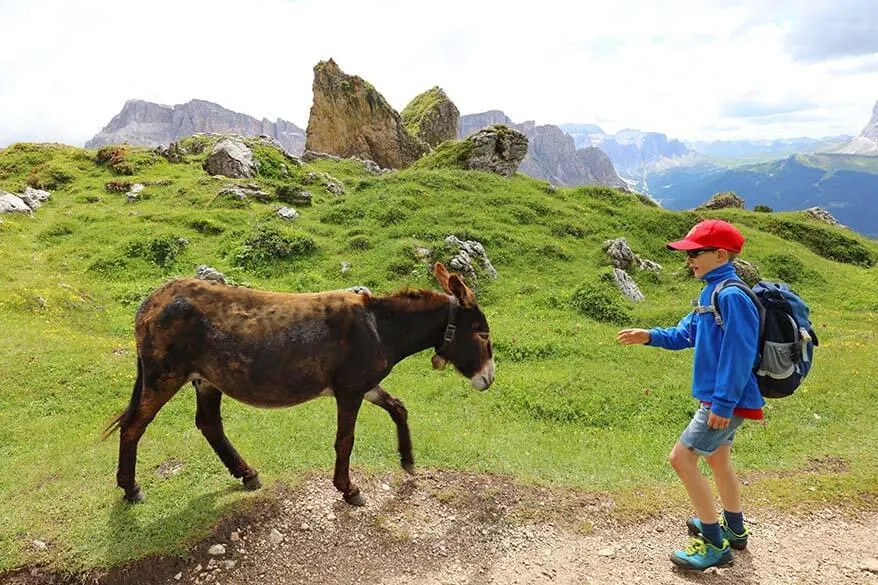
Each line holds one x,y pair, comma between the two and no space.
739,284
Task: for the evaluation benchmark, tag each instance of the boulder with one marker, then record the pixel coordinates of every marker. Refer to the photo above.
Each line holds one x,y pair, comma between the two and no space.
822,215
34,198
497,149
350,118
231,158
627,286
432,117
10,203
467,252
748,271
724,200
623,257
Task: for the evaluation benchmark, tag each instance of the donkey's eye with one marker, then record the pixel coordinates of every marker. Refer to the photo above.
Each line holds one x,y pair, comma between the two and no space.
484,336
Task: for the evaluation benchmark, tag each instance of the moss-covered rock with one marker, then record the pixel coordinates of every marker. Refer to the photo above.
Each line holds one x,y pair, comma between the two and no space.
350,118
432,117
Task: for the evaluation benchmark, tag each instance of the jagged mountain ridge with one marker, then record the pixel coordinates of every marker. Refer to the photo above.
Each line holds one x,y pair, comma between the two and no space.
551,153
143,123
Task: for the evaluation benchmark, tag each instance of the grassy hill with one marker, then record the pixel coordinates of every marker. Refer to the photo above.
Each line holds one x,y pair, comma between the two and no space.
843,184
569,406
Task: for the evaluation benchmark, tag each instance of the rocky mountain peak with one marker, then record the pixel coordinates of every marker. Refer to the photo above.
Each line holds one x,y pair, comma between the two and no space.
143,123
349,117
866,144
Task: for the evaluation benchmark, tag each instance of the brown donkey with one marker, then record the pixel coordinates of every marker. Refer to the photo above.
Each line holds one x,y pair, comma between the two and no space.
277,349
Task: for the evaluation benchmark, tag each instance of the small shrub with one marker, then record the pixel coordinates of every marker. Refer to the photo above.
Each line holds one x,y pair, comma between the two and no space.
267,245
763,209
342,215
359,243
601,301
524,216
206,226
118,186
161,251
646,200
58,230
48,177
568,229
110,266
788,268
824,241
392,216
554,251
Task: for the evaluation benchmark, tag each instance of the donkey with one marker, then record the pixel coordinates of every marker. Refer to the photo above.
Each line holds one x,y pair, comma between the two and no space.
271,349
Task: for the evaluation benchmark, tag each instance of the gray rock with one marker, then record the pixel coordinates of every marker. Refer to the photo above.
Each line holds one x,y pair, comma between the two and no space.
748,271
287,213
34,198
10,203
824,216
497,149
360,290
724,200
133,193
217,550
205,272
230,157
627,286
467,251
275,537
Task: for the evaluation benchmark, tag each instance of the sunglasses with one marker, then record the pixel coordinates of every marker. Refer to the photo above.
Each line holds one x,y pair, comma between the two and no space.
699,252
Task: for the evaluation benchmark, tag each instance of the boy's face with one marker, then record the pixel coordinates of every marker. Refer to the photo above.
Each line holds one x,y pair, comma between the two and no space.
703,261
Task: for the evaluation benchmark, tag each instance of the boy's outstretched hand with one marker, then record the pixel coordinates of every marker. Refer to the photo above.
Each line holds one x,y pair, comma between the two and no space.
633,336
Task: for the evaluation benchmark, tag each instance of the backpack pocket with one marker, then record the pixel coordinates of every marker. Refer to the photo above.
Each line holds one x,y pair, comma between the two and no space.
778,360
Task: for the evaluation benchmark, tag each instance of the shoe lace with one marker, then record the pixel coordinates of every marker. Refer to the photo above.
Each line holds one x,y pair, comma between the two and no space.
696,546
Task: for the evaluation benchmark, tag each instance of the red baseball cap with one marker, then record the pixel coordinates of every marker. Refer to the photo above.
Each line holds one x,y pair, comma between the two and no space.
711,233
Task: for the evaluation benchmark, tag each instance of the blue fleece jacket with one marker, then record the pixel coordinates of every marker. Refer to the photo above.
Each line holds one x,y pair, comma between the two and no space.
722,372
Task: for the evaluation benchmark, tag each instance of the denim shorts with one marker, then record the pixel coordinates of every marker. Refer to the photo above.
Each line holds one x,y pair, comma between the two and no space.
703,440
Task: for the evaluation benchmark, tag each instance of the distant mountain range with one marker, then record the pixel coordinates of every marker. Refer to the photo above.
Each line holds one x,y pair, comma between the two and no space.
838,173
736,152
145,123
844,185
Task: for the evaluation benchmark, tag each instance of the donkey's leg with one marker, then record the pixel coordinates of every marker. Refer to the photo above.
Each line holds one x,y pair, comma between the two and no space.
210,423
399,414
348,407
132,426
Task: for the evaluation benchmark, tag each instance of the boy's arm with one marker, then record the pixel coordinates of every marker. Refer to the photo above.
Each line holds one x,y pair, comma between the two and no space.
680,337
738,350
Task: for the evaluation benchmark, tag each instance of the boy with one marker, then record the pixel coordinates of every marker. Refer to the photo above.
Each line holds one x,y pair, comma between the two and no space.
724,382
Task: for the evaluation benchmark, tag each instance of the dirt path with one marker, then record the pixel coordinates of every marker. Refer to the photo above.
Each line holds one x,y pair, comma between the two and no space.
448,528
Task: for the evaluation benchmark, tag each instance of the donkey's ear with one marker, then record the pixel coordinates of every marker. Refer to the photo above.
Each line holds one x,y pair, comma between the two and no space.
441,274
461,291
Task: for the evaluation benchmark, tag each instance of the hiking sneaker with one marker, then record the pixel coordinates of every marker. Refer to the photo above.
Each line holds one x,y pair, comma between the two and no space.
736,541
700,555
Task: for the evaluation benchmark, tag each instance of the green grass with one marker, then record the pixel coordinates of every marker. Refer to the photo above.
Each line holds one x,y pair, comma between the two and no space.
569,408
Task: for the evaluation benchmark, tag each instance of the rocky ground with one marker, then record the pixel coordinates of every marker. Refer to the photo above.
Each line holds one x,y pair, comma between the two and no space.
450,528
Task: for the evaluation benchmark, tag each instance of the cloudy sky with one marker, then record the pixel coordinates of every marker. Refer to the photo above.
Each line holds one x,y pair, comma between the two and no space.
705,69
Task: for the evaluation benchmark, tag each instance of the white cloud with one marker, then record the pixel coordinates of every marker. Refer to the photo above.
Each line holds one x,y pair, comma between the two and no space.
679,67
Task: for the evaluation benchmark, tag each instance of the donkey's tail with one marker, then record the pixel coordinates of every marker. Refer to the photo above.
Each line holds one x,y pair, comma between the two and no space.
132,406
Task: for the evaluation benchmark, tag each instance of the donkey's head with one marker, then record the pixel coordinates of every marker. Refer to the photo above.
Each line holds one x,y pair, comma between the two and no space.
467,339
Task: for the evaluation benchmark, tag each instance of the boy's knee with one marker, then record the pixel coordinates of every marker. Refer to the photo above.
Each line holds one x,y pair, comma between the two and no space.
681,457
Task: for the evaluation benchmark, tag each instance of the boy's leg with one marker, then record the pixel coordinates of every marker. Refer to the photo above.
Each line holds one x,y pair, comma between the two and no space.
726,479
685,463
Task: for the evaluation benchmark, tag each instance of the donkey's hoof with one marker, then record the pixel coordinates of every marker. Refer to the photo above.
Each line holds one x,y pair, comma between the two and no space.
409,468
134,496
252,483
355,499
